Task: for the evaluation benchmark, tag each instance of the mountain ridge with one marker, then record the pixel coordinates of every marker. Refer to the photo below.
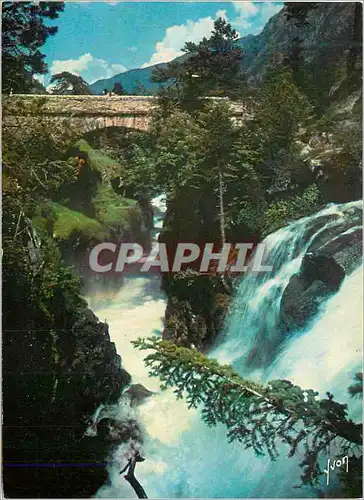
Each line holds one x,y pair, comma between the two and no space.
322,38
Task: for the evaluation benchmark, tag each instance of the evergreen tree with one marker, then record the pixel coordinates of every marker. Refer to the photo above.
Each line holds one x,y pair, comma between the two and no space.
118,89
207,163
68,83
257,416
23,33
211,67
280,111
217,147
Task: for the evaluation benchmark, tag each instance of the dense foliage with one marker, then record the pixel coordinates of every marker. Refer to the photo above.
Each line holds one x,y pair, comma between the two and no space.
24,31
53,346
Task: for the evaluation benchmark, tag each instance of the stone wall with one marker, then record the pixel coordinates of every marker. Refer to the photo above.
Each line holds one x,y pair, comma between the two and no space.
89,112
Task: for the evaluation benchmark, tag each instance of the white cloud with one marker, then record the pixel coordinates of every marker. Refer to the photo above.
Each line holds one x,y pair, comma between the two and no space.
250,15
221,13
252,12
72,65
240,22
258,29
247,9
269,9
175,37
117,68
87,66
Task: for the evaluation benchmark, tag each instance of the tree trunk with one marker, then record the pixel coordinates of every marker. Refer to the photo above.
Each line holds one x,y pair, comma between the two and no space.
130,477
224,282
137,487
221,207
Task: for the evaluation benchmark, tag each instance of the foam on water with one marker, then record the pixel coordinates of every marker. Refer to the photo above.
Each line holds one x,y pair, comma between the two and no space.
184,457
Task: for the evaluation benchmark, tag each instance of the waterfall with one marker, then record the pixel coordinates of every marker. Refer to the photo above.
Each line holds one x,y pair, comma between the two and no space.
184,457
251,329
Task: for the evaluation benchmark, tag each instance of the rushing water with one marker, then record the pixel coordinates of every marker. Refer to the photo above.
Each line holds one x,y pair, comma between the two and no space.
185,458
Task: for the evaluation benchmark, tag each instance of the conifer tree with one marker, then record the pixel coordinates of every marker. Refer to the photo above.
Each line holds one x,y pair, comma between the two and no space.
23,33
68,83
258,416
211,67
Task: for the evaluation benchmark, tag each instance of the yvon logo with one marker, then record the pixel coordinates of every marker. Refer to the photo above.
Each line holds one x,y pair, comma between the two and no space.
336,464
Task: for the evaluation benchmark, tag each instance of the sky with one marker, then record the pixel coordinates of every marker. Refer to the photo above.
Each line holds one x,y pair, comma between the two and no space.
100,39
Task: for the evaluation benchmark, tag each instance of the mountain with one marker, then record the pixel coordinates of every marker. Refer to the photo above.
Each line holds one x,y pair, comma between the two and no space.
322,38
324,41
132,81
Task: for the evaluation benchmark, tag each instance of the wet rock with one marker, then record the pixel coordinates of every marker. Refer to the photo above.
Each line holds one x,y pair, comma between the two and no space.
323,268
137,394
300,302
333,255
119,431
346,249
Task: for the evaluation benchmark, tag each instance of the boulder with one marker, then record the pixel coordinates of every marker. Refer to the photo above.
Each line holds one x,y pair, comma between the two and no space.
322,272
300,302
346,249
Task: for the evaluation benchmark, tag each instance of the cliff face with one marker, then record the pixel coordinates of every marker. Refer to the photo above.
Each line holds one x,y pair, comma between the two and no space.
58,367
322,37
53,380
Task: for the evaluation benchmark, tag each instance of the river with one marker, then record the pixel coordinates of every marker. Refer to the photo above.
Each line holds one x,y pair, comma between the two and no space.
184,457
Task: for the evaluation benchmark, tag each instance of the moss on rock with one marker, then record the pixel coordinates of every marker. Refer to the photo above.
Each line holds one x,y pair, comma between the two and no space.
115,212
67,222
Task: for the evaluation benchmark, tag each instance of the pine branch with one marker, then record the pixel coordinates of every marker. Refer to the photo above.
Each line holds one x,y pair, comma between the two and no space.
255,415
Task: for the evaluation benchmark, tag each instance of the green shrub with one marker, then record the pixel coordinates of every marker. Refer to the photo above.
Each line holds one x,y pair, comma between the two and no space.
282,212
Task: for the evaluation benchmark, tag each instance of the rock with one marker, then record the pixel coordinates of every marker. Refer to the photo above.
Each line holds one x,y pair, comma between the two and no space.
300,303
196,308
137,394
119,431
69,373
346,249
329,258
323,268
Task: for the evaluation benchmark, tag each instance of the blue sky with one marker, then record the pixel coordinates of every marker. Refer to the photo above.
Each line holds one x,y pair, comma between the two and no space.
99,39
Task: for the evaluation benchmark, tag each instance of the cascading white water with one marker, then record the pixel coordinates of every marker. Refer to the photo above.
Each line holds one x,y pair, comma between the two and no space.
185,458
252,326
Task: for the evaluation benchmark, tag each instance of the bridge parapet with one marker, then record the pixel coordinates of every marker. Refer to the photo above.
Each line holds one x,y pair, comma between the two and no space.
85,105
88,112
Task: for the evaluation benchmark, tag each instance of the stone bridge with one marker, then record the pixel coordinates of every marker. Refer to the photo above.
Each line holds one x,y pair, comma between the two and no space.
84,113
